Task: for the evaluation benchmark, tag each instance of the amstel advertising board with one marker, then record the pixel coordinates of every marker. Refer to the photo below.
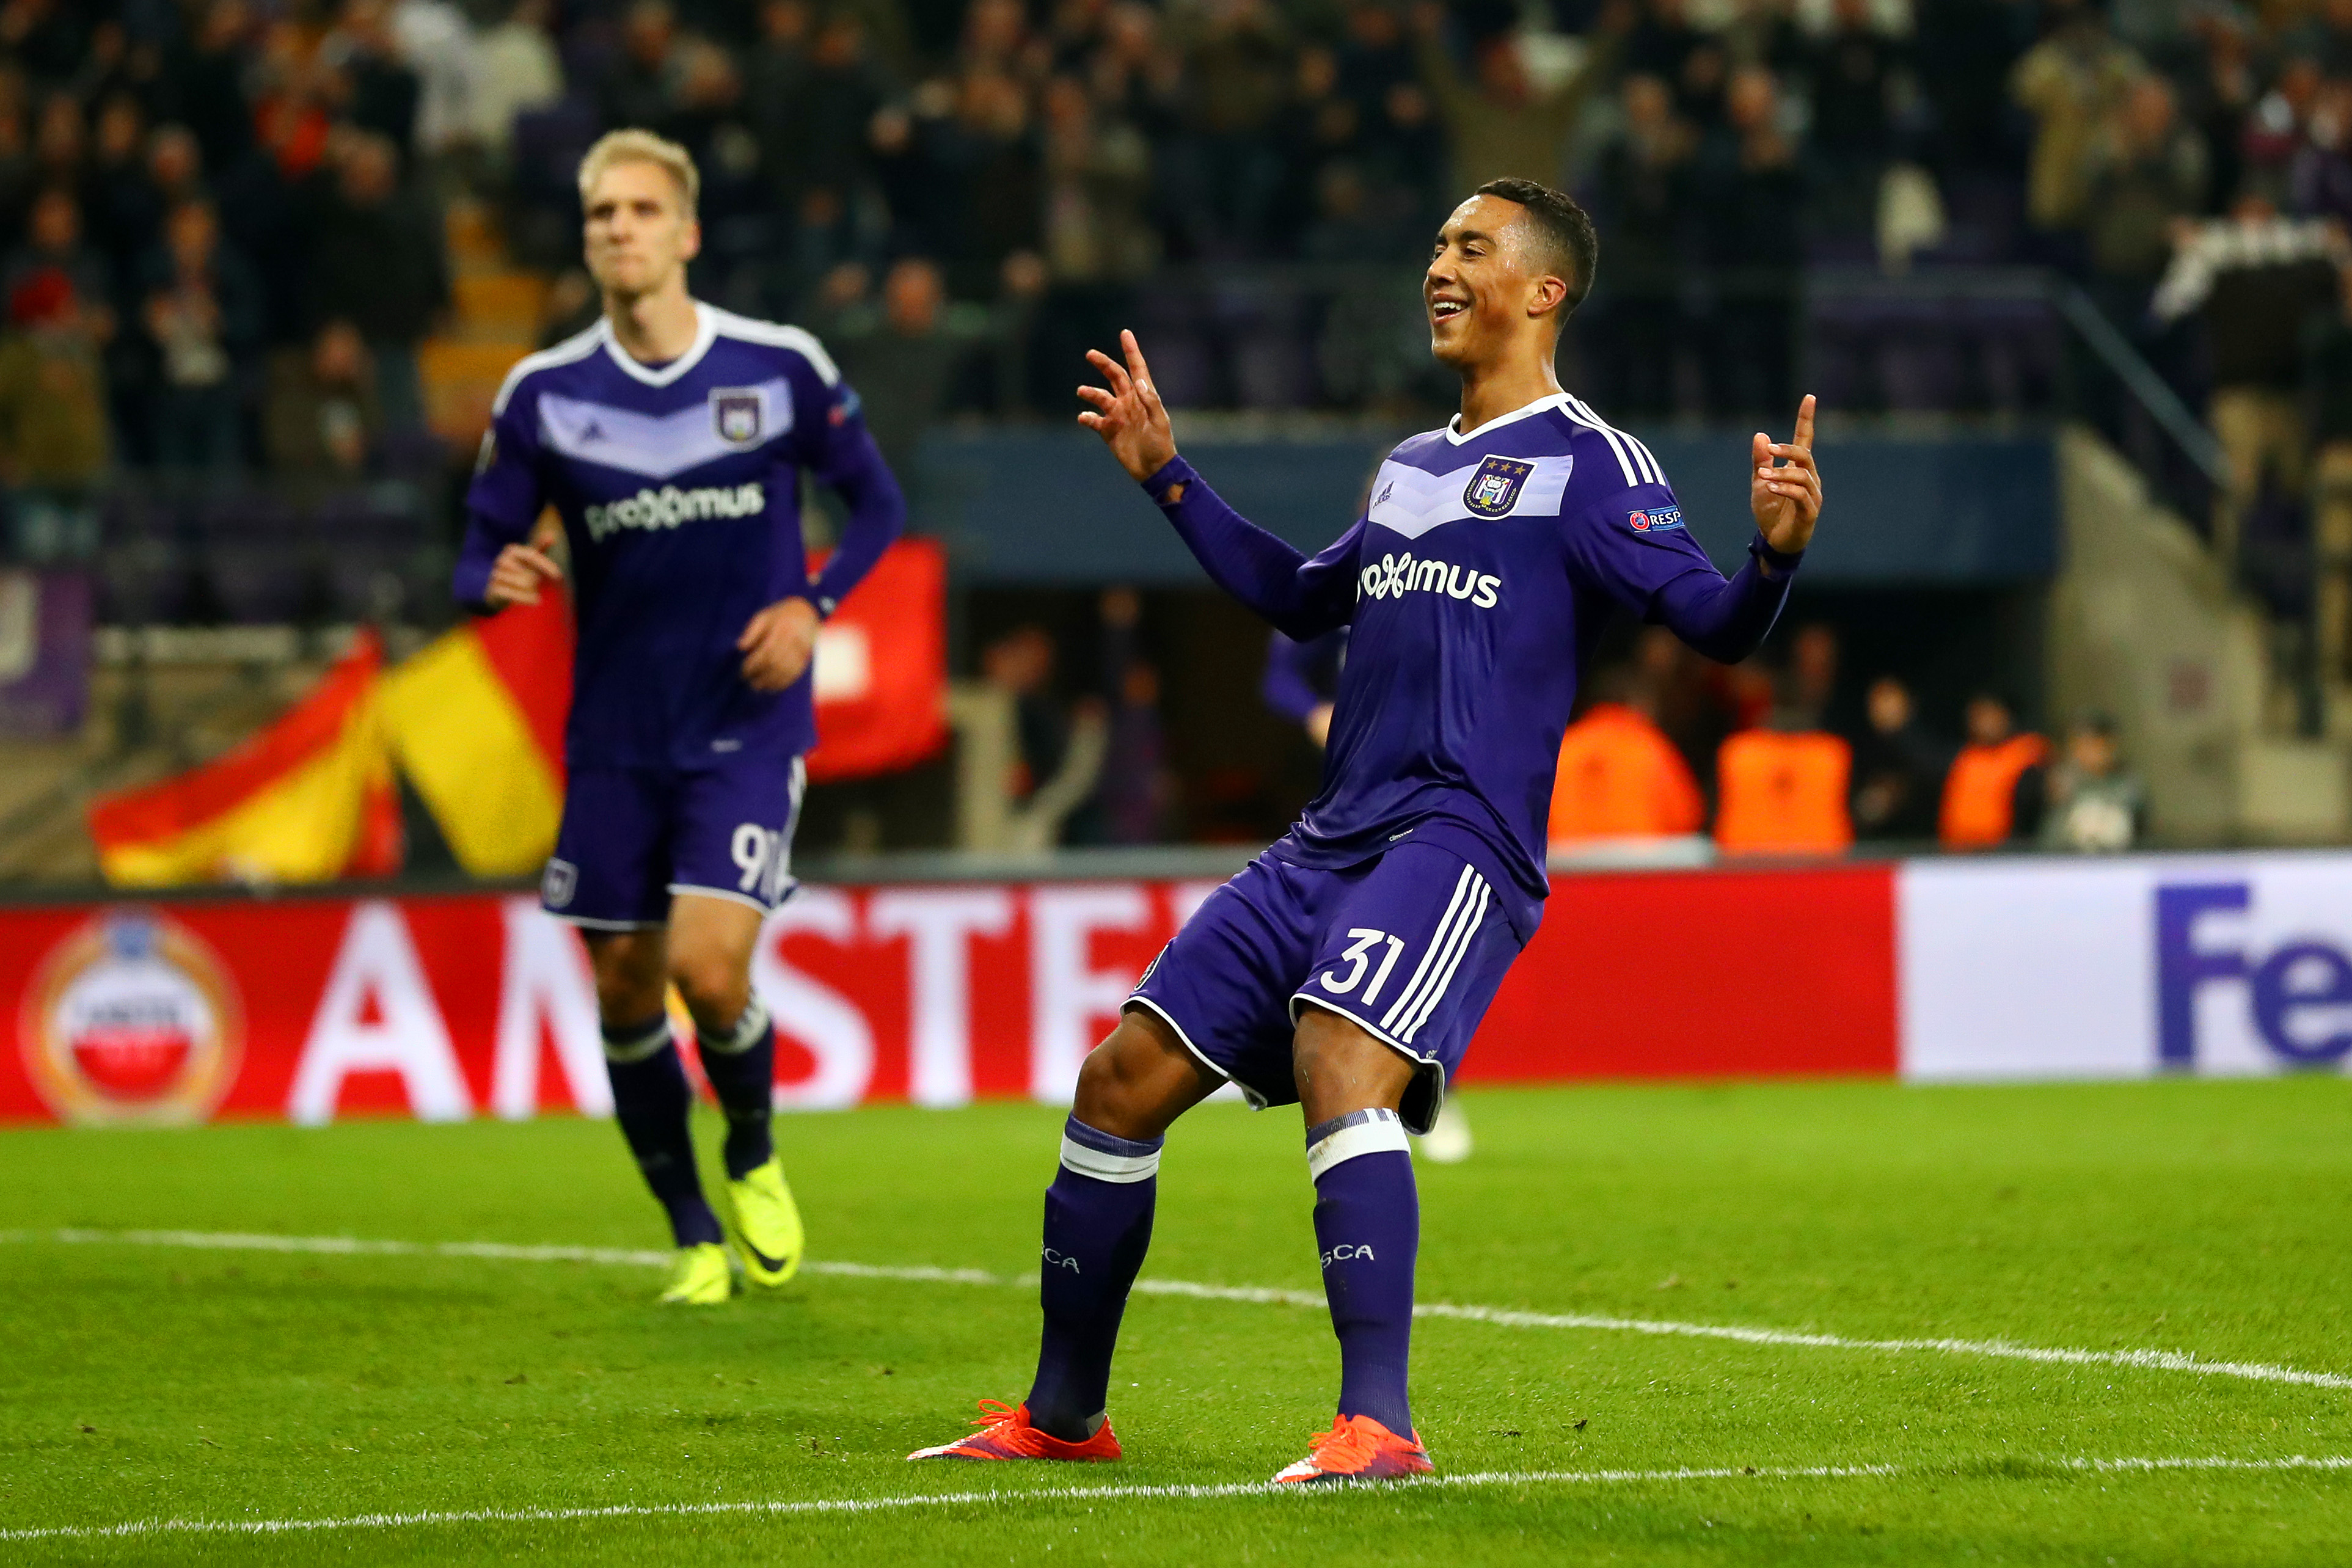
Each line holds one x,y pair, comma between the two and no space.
308,1009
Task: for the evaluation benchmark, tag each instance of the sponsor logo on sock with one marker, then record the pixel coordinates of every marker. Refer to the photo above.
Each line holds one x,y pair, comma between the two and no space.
1060,1260
1346,1252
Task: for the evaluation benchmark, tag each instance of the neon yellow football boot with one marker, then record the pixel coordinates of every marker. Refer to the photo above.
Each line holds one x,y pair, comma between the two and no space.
767,1224
700,1277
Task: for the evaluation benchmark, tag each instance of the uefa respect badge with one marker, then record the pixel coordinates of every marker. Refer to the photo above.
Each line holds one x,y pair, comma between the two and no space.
132,1020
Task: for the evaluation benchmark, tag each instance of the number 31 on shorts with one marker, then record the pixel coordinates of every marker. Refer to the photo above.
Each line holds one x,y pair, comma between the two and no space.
1359,958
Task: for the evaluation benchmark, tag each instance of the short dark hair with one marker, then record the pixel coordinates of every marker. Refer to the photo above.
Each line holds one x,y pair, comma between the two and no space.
1566,229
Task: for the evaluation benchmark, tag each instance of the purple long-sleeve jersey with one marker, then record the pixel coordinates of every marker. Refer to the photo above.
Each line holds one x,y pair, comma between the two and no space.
1476,585
678,485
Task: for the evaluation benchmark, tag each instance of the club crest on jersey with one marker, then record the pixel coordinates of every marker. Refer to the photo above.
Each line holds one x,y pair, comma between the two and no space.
735,413
1493,489
1655,520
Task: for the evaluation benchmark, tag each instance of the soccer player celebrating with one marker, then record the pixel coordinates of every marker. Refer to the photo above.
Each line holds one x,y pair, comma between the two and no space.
1347,967
670,438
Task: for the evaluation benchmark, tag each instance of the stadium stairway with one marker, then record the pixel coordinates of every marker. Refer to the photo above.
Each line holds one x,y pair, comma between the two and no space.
2144,624
497,312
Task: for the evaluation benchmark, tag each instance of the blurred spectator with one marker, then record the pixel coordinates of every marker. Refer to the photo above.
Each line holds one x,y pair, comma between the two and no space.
1781,789
1096,176
203,313
2257,279
1808,688
903,364
120,221
2319,179
1619,776
435,40
1502,122
2324,37
2327,412
1967,49
636,92
2096,804
2219,80
295,95
2276,128
814,91
1303,678
1228,171
1694,63
379,91
1856,75
2147,174
1752,200
53,242
376,261
516,68
1131,801
54,446
208,93
1643,198
1995,790
1060,753
2072,82
1898,769
320,415
61,149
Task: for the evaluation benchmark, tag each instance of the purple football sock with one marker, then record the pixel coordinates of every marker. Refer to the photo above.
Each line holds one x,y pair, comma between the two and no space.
1097,1227
741,1067
1368,1225
652,1100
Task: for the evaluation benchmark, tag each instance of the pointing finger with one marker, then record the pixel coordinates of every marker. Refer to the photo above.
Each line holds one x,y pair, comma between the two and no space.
1805,422
1141,371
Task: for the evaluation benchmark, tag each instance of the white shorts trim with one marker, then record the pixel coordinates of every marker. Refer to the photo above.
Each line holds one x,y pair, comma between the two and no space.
727,894
1430,1068
1257,1102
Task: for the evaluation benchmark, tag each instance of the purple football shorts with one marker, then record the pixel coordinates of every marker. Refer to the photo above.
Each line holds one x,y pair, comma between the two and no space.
632,837
1408,946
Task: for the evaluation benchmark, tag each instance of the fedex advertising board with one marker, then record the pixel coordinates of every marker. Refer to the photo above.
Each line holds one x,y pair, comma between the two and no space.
2066,968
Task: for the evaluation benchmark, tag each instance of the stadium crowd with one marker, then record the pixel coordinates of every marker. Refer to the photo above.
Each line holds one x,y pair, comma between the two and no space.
217,214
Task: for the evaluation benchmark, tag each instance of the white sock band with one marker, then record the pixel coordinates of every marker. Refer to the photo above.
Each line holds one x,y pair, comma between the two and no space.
1342,1138
638,1047
748,1027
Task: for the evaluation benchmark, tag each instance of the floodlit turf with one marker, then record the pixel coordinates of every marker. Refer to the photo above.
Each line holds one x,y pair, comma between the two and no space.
141,1382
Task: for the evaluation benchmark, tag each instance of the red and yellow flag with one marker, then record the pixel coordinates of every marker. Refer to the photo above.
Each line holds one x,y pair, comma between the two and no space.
476,721
309,799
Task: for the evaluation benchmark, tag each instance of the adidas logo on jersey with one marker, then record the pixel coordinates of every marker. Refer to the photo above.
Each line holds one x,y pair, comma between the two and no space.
1394,575
669,506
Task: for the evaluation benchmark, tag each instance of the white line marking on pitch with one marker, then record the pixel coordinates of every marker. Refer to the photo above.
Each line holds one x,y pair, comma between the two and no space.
1091,1494
1502,1317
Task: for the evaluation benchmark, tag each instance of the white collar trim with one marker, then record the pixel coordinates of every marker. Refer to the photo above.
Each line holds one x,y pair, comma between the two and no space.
706,332
1454,426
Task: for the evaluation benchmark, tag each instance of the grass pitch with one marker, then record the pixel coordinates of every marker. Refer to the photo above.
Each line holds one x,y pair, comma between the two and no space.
144,1382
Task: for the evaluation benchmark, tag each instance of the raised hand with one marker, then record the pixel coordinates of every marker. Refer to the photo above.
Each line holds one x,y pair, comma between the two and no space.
516,575
1786,495
1129,417
778,643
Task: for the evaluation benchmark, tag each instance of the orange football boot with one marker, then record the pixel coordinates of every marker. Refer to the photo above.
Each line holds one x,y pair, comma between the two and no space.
1359,1448
1006,1434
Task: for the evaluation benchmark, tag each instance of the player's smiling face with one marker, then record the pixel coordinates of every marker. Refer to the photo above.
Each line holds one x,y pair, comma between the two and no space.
639,234
1479,291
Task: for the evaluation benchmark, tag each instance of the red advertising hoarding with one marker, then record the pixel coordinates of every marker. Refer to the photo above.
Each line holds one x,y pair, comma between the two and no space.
447,1006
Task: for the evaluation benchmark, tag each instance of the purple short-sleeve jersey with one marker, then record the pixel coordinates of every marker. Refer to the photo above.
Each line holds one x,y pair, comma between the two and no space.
678,485
1486,567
